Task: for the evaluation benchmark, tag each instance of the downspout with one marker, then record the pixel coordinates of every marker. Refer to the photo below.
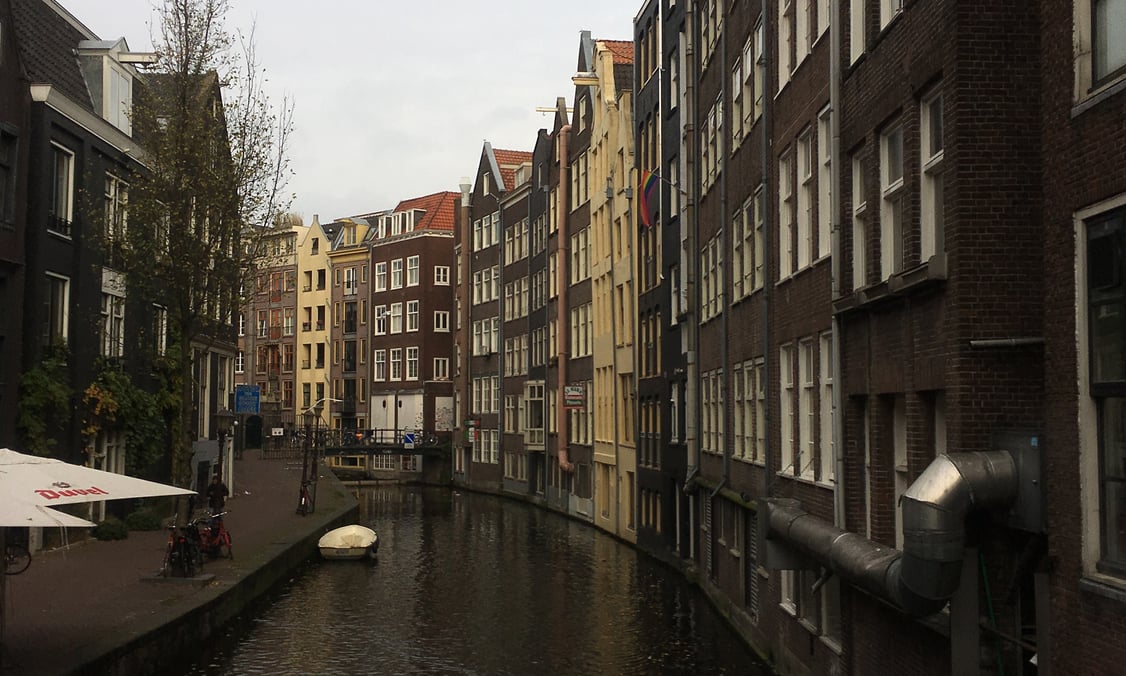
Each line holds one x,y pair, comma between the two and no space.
767,242
500,328
924,576
839,515
565,463
465,287
725,229
690,255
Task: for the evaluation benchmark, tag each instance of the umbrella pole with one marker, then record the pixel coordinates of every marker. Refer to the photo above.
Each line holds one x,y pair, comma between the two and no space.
3,590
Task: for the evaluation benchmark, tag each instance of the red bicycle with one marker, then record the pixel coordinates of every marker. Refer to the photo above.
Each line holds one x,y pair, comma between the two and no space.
215,539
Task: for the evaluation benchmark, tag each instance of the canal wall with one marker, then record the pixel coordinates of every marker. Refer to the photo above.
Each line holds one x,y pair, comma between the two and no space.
170,645
735,615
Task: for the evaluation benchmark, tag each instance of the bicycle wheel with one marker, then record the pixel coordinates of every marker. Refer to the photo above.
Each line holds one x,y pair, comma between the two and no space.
16,559
227,546
187,562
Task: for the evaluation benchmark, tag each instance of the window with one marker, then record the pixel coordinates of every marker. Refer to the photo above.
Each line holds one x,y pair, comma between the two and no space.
441,368
240,362
396,364
825,448
412,315
396,318
889,9
1108,28
807,413
891,204
442,275
859,227
380,323
113,324
381,276
760,410
8,155
62,190
397,273
931,186
785,216
442,320
117,219
412,271
379,370
159,329
760,68
786,407
1106,306
119,104
802,37
899,454
824,180
58,309
856,32
805,199
350,281
412,363
785,41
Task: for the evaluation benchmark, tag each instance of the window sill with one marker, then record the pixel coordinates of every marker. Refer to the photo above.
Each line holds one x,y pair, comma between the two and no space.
809,626
1103,585
1093,99
832,644
805,480
789,608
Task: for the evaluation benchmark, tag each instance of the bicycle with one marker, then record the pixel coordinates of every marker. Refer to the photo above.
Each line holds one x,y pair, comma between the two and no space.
214,536
183,554
17,559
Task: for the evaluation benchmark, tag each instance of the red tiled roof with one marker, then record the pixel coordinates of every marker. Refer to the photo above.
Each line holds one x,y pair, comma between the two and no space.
439,209
508,160
621,49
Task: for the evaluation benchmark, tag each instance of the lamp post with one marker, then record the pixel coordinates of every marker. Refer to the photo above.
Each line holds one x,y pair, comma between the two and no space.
304,503
223,420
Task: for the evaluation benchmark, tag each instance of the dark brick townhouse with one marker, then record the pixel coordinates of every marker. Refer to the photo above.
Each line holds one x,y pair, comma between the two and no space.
15,145
412,319
488,208
1082,120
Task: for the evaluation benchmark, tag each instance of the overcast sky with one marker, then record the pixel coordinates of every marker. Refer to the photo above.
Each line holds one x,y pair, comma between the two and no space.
394,99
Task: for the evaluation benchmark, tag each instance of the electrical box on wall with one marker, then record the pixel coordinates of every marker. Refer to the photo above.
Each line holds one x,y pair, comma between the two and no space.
1027,511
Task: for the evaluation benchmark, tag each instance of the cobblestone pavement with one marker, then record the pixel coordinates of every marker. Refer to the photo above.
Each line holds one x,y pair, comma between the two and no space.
75,604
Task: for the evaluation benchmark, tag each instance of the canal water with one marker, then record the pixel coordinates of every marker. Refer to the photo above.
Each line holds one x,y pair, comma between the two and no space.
475,584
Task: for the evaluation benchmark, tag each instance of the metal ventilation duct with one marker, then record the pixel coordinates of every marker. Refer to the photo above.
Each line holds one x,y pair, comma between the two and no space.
921,578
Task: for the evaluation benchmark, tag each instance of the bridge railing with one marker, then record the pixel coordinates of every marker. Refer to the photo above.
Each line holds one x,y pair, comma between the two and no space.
293,443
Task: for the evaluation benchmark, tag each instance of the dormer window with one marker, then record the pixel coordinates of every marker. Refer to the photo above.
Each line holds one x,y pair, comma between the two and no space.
118,104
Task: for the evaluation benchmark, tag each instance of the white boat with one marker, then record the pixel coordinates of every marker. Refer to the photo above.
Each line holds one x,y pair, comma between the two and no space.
349,542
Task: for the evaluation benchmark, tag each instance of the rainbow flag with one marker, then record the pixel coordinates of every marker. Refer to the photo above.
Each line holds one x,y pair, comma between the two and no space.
649,181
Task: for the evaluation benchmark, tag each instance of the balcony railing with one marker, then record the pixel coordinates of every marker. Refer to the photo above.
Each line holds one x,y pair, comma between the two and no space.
306,326
320,325
59,225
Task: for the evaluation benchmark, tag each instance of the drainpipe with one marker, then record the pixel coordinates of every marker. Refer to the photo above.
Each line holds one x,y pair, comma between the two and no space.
924,576
690,254
561,269
835,257
726,235
1006,342
465,287
766,149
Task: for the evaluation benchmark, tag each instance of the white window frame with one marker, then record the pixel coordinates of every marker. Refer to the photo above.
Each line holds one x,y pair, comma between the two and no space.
412,271
442,275
442,321
397,273
892,253
412,315
931,184
824,181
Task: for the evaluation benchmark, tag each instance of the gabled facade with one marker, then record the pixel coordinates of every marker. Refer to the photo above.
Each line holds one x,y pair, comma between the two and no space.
486,211
350,292
612,180
313,307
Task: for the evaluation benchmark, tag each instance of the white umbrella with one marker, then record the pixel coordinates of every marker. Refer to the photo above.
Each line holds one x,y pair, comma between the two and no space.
47,482
14,513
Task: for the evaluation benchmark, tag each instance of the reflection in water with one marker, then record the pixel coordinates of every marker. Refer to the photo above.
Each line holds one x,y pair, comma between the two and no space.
475,584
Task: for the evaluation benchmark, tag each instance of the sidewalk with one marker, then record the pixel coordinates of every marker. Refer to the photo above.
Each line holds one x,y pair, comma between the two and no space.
78,606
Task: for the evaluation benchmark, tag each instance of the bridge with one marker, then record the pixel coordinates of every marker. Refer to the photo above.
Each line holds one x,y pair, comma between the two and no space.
375,441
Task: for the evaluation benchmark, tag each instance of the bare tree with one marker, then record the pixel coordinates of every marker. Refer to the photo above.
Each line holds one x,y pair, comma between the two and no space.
214,150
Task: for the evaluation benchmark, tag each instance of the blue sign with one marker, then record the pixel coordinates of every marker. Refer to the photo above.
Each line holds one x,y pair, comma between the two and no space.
247,399
408,440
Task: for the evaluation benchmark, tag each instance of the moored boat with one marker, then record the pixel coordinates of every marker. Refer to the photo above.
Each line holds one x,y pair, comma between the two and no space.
349,542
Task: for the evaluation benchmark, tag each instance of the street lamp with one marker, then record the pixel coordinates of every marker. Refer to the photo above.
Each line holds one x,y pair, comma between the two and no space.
223,420
304,503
